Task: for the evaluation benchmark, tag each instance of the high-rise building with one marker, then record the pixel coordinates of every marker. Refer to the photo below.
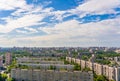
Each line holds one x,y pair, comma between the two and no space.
8,58
1,61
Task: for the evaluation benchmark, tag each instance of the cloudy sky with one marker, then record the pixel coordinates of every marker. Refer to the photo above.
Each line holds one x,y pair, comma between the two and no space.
44,23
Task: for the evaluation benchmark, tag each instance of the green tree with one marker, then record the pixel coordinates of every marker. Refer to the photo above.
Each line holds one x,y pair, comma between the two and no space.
3,77
10,79
101,78
77,67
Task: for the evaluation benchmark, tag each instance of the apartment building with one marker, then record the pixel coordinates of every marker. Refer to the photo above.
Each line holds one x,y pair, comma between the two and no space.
112,73
49,75
73,60
78,61
1,61
98,69
83,64
117,73
8,58
69,59
89,65
105,70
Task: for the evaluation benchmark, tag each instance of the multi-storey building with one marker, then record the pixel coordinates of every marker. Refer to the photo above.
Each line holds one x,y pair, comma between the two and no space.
83,64
78,61
117,51
117,73
8,58
73,60
98,69
49,75
117,59
1,61
112,73
89,65
106,70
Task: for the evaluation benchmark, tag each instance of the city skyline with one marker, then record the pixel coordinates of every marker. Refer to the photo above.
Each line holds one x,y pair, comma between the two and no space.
59,23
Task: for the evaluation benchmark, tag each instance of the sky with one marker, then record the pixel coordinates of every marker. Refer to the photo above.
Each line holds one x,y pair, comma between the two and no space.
59,23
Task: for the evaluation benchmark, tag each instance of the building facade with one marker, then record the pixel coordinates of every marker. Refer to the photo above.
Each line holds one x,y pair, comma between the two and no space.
1,61
49,75
112,73
8,58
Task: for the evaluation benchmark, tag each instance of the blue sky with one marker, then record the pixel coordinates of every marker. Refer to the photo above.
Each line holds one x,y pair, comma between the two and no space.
51,23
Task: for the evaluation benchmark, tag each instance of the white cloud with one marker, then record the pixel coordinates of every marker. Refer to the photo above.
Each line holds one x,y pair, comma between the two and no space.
74,28
25,15
92,7
96,7
31,30
72,33
25,21
21,31
13,4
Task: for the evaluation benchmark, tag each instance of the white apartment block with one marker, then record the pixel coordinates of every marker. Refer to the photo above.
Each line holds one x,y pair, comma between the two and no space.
83,64
73,60
117,73
78,61
106,70
38,61
47,66
68,59
98,68
112,73
89,65
49,75
117,59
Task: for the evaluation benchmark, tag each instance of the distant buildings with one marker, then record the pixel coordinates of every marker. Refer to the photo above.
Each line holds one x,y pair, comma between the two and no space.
117,51
116,59
8,58
92,59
